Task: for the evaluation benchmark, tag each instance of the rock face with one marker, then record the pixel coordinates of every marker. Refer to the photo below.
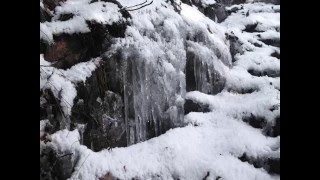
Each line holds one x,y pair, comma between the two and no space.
202,76
129,98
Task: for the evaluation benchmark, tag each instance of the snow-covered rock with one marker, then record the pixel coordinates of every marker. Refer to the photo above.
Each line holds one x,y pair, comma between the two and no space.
159,89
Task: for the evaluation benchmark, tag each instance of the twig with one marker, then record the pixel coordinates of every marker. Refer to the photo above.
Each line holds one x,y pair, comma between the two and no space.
136,5
140,6
82,164
69,154
47,37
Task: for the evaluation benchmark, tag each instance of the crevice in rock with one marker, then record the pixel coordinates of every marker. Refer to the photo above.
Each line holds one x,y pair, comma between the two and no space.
271,165
255,121
267,72
251,28
192,106
271,42
275,54
273,129
65,17
243,90
257,44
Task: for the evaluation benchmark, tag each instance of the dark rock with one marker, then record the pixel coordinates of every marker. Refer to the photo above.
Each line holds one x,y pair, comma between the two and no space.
51,4
72,49
52,111
217,13
255,121
207,175
232,2
275,54
274,166
100,105
191,106
108,176
266,72
273,129
55,166
234,9
114,108
271,42
65,17
257,44
271,165
189,2
251,28
44,15
201,76
235,45
43,46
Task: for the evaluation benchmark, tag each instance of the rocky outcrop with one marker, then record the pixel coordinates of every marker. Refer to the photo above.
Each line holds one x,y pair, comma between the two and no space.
129,98
202,76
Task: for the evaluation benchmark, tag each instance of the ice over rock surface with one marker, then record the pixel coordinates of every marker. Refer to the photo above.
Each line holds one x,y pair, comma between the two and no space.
151,61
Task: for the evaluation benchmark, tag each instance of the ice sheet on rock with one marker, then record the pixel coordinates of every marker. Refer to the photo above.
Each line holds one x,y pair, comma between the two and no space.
154,51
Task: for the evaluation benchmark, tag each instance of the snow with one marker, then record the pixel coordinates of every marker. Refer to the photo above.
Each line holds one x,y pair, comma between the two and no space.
157,41
206,3
241,105
100,12
62,82
213,146
256,58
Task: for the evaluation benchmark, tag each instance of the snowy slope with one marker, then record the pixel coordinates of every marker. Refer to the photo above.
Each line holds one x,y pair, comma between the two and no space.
211,144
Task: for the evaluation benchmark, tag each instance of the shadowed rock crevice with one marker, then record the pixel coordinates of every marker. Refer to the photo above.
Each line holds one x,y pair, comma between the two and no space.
243,90
275,54
65,17
271,165
192,106
273,128
251,28
269,128
266,72
255,121
271,42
